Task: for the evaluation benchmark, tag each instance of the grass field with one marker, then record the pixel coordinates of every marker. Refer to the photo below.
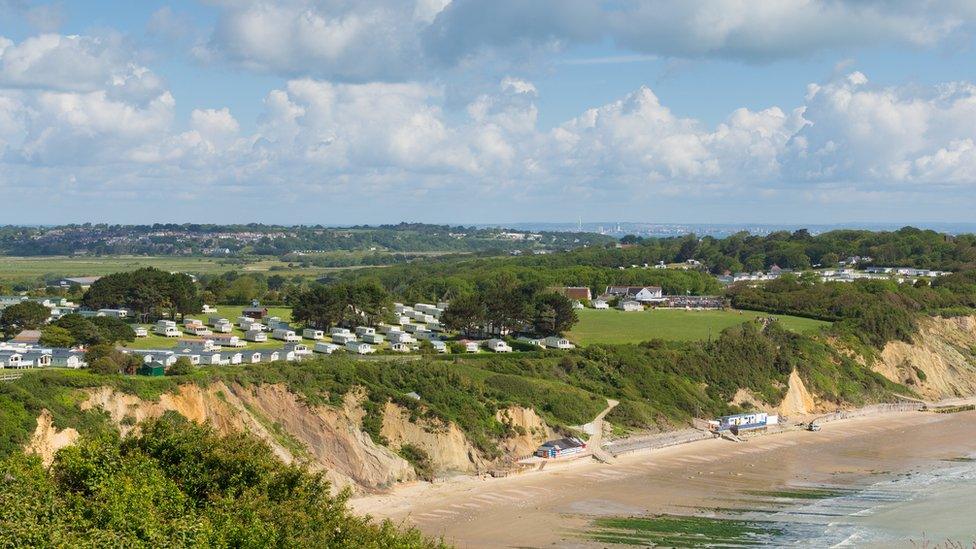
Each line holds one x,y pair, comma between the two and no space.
613,326
32,268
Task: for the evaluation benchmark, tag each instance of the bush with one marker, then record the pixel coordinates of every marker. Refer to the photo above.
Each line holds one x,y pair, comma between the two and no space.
104,365
181,367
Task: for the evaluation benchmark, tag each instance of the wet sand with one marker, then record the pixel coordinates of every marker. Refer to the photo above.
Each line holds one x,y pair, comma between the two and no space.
550,508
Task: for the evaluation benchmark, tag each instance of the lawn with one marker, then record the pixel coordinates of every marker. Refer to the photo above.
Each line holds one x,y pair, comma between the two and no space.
613,326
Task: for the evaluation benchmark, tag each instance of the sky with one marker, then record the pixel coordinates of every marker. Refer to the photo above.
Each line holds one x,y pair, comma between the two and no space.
487,111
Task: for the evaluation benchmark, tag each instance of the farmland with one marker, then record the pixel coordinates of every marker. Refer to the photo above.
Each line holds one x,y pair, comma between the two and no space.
16,269
613,326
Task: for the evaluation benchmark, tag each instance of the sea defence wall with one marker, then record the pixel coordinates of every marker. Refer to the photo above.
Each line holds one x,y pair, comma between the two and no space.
872,410
656,441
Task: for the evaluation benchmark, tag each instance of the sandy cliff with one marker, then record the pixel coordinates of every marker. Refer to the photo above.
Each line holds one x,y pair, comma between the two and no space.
939,363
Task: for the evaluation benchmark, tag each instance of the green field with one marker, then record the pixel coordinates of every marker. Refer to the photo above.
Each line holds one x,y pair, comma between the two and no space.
32,268
613,326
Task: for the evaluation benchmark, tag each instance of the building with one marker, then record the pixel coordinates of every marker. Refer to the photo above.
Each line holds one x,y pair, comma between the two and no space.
67,358
644,294
27,337
630,305
470,346
256,336
577,293
600,304
561,447
743,422
498,346
343,339
84,281
401,337
152,369
309,333
140,331
227,340
438,345
255,311
327,348
167,328
375,339
554,342
359,347
285,335
365,330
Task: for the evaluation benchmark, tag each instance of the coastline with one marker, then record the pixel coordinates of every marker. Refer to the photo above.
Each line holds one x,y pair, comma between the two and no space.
545,507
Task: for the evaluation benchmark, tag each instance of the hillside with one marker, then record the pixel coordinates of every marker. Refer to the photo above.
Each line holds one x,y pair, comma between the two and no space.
353,421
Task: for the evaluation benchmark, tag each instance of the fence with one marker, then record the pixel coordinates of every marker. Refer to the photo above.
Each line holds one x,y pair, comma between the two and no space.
10,376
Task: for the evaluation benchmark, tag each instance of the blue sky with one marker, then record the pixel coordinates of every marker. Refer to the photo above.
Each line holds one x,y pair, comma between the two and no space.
476,111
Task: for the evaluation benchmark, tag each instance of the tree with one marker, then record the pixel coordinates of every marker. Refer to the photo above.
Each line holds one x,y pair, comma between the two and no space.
104,365
181,367
554,314
26,315
464,314
56,336
147,291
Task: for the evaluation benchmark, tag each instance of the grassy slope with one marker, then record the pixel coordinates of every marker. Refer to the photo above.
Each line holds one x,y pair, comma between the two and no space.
613,326
230,312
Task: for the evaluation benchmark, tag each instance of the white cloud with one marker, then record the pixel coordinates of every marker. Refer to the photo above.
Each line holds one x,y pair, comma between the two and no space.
75,64
885,136
363,40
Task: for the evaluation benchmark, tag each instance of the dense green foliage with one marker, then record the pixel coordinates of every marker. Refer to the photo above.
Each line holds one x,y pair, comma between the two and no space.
274,240
448,278
503,304
147,291
179,484
26,315
906,247
87,331
873,311
362,302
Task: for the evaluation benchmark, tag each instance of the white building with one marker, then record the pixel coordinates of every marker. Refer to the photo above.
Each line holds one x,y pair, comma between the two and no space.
343,339
309,333
630,305
285,335
327,348
359,347
555,342
600,304
167,328
256,336
498,346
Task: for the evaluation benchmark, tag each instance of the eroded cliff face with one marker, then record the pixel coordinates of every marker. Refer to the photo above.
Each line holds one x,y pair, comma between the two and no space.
447,446
326,438
47,439
939,363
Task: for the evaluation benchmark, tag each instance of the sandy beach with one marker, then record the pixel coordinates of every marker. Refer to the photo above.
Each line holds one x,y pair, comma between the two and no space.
552,507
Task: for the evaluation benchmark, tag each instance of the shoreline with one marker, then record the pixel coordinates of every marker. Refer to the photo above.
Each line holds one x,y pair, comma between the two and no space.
540,507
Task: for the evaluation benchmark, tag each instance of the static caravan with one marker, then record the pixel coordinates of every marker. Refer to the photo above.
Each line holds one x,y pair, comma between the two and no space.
141,331
400,347
630,305
210,358
343,339
339,331
209,309
439,345
554,342
375,339
199,345
470,346
309,333
228,340
231,358
223,326
66,358
326,348
401,337
270,356
532,341
498,346
254,357
285,335
365,330
167,328
384,328
256,336
600,304
359,347
192,357
114,313
300,349
403,320
199,330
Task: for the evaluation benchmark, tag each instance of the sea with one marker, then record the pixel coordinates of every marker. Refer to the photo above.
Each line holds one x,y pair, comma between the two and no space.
924,509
